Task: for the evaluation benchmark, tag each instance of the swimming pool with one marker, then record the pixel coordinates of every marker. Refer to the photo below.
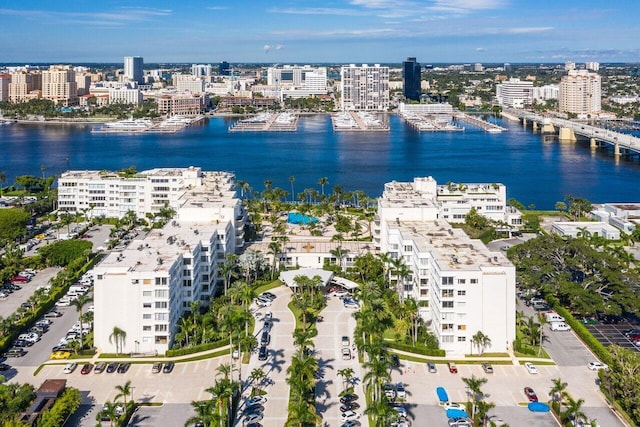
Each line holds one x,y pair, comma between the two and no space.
300,219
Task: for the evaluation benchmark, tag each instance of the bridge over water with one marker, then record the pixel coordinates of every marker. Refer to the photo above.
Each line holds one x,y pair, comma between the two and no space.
568,130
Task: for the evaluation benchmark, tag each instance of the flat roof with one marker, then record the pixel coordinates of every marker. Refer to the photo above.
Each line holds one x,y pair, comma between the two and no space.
288,276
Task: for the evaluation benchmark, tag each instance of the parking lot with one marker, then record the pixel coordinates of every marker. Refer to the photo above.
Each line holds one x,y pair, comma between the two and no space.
10,304
610,333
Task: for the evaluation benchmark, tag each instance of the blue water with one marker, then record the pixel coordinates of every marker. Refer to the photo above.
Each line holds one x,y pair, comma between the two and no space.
298,218
535,172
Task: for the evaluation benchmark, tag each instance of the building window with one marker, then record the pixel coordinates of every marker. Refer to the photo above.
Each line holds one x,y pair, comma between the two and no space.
146,305
474,281
424,292
161,328
447,304
146,293
447,338
447,293
462,339
447,280
161,339
162,293
462,327
146,328
462,293
447,326
462,281
162,304
146,316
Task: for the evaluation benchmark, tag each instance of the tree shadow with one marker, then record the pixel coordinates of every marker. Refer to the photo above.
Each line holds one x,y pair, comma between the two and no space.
275,361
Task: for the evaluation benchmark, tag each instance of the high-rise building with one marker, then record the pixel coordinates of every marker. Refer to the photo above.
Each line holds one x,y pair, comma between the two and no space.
224,68
59,84
569,66
201,70
5,79
133,69
507,67
515,93
365,87
23,85
411,78
592,66
580,92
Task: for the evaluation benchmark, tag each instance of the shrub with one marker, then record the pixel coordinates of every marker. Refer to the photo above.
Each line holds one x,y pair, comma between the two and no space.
196,348
417,349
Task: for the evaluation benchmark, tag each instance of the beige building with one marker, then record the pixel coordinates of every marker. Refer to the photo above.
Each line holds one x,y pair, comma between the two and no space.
181,104
580,92
5,79
59,84
24,85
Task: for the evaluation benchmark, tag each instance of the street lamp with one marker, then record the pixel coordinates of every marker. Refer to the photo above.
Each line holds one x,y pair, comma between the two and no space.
137,346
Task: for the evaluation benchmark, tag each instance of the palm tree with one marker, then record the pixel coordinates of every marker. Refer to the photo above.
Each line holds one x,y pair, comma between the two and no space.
110,410
123,391
323,181
257,375
347,375
474,385
573,411
225,369
481,341
204,414
558,391
292,180
302,413
118,337
79,303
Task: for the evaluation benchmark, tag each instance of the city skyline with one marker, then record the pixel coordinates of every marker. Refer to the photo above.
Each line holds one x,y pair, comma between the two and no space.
337,31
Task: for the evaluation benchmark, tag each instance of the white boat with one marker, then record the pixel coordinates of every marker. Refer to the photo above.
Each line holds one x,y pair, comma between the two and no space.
128,125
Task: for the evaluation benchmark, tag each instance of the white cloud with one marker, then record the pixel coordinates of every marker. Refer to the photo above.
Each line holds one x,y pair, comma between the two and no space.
218,8
481,49
119,17
318,11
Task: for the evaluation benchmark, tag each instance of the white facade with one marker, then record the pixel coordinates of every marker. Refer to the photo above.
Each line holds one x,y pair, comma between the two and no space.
580,93
625,216
133,69
467,287
201,70
190,84
515,93
364,88
295,82
576,229
440,108
546,92
593,66
108,195
126,94
147,287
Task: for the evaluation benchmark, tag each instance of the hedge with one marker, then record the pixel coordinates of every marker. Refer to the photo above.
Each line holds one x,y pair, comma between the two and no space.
436,352
196,348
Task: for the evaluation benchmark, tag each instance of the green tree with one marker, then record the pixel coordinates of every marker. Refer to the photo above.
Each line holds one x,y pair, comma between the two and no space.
481,341
79,304
123,392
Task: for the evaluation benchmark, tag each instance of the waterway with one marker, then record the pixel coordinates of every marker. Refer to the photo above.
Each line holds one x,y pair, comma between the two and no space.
535,172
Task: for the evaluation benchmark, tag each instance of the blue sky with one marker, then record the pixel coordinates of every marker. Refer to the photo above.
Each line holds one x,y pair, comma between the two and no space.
307,31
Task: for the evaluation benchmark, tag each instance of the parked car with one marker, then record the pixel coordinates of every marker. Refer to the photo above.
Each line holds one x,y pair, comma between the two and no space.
261,400
262,353
69,367
267,316
349,415
263,302
53,314
431,367
22,343
156,368
123,367
99,368
389,391
531,368
111,367
59,355
346,353
256,408
350,397
267,295
168,367
452,367
252,418
351,423
15,352
488,369
453,405
86,368
395,361
346,342
594,366
531,395
349,406
401,393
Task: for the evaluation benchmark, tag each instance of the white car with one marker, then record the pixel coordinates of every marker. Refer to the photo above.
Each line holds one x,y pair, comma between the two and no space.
267,316
263,303
64,302
341,294
401,393
31,337
531,368
594,366
69,367
253,418
453,405
349,415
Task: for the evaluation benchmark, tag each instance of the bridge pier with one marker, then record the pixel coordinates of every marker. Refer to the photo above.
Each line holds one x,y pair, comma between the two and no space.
547,126
567,135
616,150
524,122
593,143
535,127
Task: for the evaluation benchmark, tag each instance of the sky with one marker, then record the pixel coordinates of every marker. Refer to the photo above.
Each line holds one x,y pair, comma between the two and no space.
314,31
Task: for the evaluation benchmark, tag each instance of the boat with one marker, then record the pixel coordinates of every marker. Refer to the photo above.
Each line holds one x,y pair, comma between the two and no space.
124,126
442,394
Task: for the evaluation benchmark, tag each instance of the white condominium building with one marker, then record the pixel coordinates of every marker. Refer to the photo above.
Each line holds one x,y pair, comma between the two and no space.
515,93
364,88
580,92
201,70
59,84
127,94
146,288
466,287
110,195
188,83
546,92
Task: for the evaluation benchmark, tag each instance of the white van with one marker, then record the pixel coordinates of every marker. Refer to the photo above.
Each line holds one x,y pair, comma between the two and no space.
560,326
553,317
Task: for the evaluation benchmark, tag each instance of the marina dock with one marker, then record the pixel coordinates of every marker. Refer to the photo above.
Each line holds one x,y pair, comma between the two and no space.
133,126
482,124
430,123
267,122
358,121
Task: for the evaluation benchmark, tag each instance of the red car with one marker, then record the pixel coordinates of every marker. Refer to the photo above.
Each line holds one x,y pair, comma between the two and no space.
531,395
86,368
19,279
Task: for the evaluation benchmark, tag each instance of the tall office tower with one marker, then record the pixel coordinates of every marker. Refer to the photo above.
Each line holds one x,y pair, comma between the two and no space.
59,84
365,87
580,92
515,93
133,68
507,67
411,79
201,70
223,69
